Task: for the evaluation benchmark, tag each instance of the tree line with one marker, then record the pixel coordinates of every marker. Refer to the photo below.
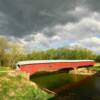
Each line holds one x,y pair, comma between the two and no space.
10,53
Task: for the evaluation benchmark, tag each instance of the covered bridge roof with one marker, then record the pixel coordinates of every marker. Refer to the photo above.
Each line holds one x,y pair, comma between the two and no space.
48,61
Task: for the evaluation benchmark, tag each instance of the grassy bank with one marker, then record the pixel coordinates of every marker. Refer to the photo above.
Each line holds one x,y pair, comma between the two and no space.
17,88
96,67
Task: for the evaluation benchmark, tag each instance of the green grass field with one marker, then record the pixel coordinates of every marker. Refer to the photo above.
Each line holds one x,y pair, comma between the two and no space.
17,88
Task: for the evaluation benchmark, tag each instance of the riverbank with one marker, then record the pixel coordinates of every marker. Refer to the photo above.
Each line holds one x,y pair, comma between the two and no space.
17,87
86,71
83,71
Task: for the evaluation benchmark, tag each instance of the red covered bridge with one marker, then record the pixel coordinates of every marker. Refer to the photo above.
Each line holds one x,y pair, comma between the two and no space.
32,67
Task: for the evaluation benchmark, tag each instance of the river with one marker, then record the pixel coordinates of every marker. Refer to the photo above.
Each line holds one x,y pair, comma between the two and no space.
69,86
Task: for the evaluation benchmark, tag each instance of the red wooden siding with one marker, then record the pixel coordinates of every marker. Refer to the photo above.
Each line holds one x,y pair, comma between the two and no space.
53,66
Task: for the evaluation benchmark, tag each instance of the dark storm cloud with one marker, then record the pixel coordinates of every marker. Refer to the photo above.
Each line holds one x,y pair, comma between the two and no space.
93,5
21,17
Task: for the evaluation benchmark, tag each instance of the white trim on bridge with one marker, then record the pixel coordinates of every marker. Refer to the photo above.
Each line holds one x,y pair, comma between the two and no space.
48,61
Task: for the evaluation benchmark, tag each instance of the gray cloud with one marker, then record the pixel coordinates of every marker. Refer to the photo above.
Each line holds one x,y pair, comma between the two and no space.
25,16
93,5
42,24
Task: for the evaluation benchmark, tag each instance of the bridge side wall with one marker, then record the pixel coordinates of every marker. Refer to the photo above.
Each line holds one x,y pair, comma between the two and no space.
33,68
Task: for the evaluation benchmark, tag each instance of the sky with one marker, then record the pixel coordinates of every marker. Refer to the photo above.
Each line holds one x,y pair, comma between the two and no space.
45,24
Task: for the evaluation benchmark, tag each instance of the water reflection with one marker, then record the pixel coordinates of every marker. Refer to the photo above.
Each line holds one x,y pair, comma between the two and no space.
56,81
70,87
89,89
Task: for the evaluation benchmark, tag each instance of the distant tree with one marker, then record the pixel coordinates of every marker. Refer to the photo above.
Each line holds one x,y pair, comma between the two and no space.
3,48
14,54
62,53
52,54
98,58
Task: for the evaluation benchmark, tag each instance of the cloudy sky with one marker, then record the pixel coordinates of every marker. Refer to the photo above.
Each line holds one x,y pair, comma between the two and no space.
44,24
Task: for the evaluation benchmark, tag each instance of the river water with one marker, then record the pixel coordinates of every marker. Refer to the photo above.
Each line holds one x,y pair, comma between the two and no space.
68,86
